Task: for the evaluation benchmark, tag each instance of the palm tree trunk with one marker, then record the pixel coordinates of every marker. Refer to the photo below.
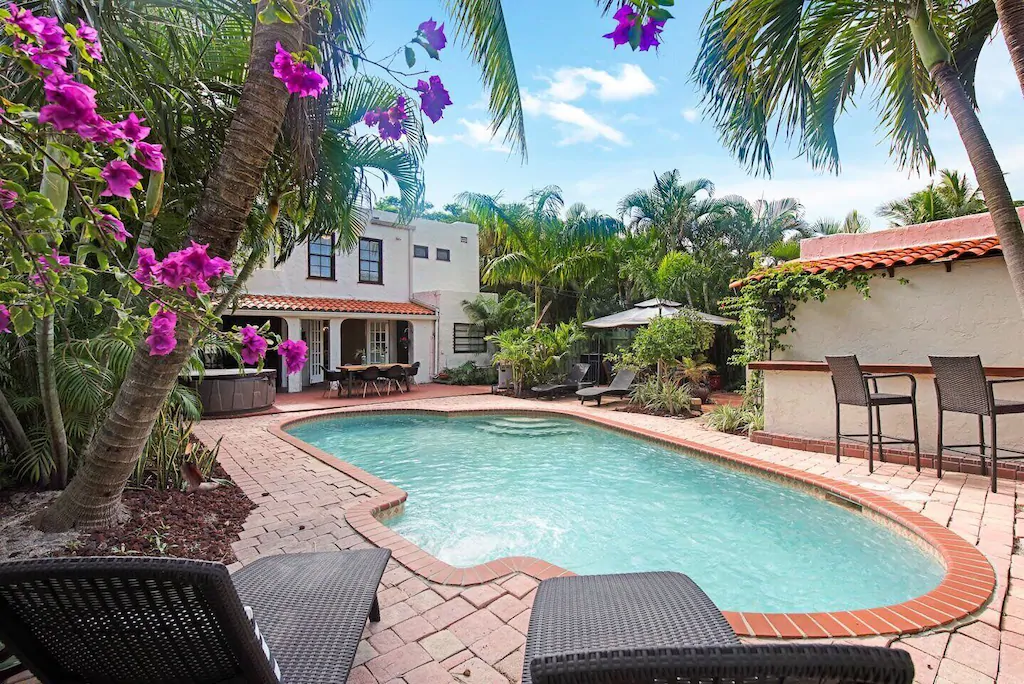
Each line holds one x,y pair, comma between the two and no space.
1011,18
988,173
13,428
51,402
93,499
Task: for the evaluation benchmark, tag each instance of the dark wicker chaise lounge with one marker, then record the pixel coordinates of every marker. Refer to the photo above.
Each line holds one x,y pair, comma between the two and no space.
651,627
571,383
160,620
619,387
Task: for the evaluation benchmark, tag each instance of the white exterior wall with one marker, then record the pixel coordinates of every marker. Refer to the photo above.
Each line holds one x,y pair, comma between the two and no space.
971,310
449,312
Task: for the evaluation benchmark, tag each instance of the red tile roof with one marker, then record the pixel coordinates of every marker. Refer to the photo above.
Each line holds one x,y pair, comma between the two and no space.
332,305
903,256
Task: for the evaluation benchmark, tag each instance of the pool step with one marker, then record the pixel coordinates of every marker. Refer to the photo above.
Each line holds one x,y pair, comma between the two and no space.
526,427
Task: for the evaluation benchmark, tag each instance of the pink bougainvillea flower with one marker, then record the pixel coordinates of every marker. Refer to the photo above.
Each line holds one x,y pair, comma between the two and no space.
145,264
133,129
626,18
649,34
91,38
433,98
190,268
112,226
202,266
298,78
149,156
7,196
388,121
72,104
100,130
433,34
53,49
254,347
5,319
161,339
120,177
46,262
294,354
25,20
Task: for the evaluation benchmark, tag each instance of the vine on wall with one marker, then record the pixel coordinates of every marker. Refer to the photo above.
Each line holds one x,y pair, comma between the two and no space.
765,305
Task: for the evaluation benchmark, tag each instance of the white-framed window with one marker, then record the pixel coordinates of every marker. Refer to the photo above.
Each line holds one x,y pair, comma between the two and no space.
377,344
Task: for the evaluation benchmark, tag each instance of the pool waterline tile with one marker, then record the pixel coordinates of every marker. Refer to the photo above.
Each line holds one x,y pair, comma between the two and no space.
968,573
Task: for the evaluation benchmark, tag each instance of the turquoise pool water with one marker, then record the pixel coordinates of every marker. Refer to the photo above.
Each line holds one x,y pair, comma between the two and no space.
595,501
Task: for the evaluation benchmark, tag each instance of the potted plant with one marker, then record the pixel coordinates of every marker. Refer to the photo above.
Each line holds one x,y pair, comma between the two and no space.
695,372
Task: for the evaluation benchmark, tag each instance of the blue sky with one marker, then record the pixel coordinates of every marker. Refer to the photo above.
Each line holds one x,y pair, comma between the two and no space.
600,121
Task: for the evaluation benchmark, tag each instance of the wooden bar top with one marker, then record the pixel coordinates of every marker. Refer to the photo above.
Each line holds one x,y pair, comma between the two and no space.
915,368
382,366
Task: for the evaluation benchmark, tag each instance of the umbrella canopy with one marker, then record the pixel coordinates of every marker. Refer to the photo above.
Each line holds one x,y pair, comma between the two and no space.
645,312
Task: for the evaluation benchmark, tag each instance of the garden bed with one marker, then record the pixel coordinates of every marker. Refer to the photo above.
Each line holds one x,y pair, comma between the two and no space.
200,525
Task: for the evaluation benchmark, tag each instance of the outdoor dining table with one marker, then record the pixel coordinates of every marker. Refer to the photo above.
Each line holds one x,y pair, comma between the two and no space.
352,369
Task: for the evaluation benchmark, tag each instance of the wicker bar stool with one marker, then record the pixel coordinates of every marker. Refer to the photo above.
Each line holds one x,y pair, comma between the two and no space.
961,387
851,387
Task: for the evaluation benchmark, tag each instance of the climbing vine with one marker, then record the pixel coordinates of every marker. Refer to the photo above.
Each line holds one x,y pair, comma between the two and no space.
764,306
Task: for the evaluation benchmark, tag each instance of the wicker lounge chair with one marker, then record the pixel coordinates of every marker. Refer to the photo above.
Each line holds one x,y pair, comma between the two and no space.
620,386
660,626
572,382
162,620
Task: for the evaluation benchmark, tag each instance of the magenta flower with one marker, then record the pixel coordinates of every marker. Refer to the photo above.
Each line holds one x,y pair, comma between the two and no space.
433,34
201,265
294,354
47,262
254,347
389,121
112,226
100,130
433,98
91,38
133,129
626,18
161,339
120,177
649,34
53,49
5,319
7,196
298,78
190,268
72,104
25,20
146,263
149,156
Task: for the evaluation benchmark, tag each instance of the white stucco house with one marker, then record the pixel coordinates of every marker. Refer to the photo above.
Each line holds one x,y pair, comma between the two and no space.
394,298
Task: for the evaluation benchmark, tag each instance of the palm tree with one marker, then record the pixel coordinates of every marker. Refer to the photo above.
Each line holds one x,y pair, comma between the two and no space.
952,196
800,64
853,222
684,213
92,499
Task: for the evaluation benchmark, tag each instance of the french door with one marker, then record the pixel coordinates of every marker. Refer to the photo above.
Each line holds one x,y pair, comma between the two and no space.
315,341
377,344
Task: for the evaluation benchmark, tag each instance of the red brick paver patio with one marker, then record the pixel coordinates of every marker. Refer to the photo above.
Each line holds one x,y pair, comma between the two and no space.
433,632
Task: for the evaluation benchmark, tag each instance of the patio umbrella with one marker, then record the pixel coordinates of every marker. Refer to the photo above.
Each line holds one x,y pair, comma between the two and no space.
645,312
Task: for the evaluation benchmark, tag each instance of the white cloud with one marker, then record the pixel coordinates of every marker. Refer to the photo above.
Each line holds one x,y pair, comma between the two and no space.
578,125
479,134
572,83
690,115
436,139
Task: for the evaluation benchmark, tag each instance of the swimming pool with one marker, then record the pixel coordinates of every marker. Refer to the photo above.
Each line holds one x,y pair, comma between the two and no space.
594,501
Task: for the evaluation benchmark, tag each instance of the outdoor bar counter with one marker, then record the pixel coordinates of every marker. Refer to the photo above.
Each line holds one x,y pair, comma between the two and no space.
226,391
799,406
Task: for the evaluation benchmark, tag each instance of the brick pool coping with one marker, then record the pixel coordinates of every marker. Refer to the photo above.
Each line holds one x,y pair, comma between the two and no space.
965,589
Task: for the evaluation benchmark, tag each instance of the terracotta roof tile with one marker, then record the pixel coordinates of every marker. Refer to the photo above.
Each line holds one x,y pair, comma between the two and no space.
261,302
904,256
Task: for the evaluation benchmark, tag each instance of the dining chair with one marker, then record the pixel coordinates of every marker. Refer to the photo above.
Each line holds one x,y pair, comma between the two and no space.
332,376
369,376
410,376
394,375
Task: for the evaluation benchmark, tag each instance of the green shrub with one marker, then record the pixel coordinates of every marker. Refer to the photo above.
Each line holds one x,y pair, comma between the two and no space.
469,374
170,445
726,418
667,339
534,354
662,397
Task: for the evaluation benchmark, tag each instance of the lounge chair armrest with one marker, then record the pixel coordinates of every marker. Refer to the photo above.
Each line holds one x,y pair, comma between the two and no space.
584,384
868,664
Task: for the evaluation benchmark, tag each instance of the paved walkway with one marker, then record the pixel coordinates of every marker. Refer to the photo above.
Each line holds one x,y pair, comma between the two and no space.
432,633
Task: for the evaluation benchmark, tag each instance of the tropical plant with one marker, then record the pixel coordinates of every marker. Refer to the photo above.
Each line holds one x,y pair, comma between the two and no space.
468,374
799,65
534,354
170,447
853,222
666,340
953,196
684,214
662,397
512,310
92,499
725,418
695,370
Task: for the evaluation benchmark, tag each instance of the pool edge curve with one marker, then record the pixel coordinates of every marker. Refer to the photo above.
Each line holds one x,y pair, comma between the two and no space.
966,588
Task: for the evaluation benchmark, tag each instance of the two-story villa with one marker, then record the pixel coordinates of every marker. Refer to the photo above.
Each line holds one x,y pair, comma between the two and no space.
395,298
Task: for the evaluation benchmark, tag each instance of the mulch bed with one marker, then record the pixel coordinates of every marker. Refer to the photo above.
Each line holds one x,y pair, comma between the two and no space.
200,525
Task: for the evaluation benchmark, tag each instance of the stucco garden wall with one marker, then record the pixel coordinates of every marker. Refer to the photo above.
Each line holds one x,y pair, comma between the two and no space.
970,310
